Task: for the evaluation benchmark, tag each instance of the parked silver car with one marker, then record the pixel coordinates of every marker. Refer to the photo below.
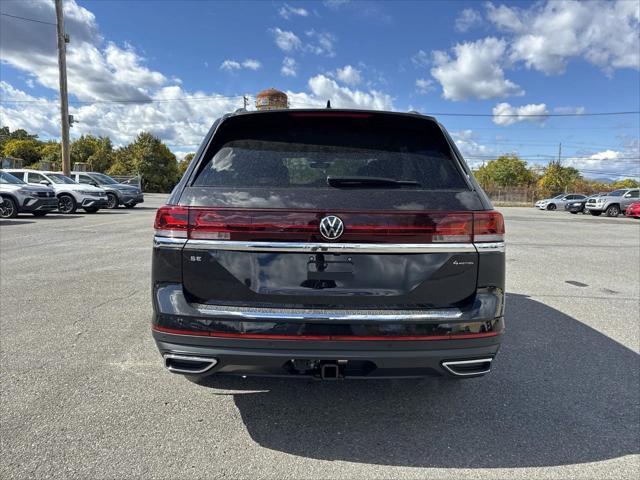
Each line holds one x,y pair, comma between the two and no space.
558,201
18,197
613,203
117,193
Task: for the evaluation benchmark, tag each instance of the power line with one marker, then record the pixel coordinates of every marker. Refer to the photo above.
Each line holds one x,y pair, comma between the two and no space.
128,101
27,19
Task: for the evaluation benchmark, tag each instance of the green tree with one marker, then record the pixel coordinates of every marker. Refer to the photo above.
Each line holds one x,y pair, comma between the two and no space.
505,171
6,134
150,158
625,183
96,152
51,152
184,164
28,150
557,179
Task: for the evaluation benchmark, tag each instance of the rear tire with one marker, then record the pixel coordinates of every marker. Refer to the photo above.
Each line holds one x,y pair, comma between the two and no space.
67,204
551,206
39,214
9,208
613,211
112,201
595,214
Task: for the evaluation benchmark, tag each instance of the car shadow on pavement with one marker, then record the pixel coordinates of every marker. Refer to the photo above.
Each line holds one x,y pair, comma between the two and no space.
8,222
561,393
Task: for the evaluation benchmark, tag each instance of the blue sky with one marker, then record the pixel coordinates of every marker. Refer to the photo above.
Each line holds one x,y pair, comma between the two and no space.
435,57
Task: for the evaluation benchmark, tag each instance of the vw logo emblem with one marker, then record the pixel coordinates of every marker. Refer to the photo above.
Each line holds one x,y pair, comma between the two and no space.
331,227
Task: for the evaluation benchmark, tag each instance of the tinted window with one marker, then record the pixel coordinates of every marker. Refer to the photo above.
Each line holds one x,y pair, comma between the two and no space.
7,178
33,177
304,152
579,197
86,179
617,193
635,193
60,179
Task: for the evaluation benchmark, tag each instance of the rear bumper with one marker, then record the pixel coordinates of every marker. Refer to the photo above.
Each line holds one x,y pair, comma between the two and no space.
360,360
449,338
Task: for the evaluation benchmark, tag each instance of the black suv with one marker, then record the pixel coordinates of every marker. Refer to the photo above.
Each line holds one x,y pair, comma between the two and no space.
328,244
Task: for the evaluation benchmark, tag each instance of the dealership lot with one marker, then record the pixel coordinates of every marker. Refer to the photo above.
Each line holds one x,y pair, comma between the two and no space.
84,394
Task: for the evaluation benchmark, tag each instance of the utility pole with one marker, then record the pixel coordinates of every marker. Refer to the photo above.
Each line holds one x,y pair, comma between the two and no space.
246,101
560,153
63,39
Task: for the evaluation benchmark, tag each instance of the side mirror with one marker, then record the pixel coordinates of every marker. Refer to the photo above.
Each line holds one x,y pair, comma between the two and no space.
627,195
44,182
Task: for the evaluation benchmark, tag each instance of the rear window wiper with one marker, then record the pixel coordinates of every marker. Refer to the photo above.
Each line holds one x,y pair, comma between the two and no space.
355,182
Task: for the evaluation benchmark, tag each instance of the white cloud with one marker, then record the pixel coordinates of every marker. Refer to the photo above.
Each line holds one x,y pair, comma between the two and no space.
323,43
424,85
467,19
234,65
230,65
475,72
349,75
548,35
504,114
324,88
470,148
287,11
320,43
289,67
421,59
251,64
570,110
287,41
607,163
94,72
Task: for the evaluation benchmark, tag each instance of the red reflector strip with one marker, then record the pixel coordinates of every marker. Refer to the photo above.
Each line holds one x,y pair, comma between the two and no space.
257,336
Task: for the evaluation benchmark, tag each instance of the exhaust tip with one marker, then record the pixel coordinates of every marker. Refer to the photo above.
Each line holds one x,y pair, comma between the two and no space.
187,364
465,368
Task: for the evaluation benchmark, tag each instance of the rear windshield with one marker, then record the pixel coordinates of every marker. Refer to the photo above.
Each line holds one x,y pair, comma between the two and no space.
302,153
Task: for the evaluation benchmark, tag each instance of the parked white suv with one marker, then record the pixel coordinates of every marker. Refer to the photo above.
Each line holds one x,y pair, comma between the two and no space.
71,195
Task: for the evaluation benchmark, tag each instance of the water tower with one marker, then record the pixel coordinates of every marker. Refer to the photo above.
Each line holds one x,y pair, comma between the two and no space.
271,99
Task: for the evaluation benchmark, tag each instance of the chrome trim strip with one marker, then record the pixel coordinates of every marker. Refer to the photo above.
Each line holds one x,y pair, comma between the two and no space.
491,247
445,365
168,242
442,314
301,247
187,358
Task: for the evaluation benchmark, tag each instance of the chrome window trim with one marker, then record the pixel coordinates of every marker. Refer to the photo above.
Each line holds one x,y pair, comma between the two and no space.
305,247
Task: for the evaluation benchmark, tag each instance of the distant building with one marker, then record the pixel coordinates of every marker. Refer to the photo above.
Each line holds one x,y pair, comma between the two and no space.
271,99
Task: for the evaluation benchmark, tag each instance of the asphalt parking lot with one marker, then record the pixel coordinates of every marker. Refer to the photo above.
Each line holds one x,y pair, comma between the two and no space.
84,394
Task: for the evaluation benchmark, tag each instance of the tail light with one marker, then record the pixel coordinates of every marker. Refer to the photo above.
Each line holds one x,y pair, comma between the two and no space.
172,221
303,226
488,227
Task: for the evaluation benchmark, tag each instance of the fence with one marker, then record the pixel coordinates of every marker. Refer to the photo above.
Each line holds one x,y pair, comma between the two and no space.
129,179
512,196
